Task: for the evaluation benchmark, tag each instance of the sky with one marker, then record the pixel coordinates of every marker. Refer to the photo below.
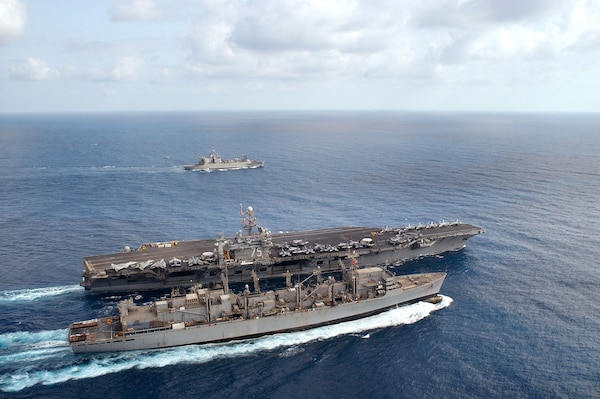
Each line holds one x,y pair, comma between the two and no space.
424,55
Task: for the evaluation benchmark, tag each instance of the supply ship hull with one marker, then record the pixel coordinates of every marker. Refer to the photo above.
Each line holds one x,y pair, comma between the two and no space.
204,315
185,263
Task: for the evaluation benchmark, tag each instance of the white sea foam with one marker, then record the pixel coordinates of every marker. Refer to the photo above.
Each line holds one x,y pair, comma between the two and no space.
35,347
36,293
26,338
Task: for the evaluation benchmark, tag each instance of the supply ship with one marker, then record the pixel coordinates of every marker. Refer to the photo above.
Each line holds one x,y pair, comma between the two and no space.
254,249
214,162
203,315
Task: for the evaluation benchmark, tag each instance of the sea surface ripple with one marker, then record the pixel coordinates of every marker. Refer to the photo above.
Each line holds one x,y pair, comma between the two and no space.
519,318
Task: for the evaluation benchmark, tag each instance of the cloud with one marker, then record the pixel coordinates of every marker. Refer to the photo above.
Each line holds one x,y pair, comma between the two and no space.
422,47
311,26
473,15
209,44
32,69
13,15
127,68
414,42
385,51
287,39
126,10
506,41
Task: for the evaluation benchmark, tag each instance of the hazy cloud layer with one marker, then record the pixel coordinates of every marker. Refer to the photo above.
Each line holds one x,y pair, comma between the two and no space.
32,69
381,53
125,10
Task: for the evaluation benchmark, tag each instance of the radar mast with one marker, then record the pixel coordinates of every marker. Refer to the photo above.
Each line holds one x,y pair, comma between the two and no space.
249,220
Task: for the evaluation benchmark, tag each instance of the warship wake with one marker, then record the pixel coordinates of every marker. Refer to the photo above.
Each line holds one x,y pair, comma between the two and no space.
255,250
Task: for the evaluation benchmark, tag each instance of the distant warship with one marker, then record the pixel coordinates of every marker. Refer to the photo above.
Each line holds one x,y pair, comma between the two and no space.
161,265
203,315
214,162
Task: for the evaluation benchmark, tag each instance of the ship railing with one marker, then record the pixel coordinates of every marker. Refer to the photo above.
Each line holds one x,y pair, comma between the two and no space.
146,330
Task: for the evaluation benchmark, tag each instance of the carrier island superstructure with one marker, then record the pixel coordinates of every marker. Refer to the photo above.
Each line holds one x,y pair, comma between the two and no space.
254,249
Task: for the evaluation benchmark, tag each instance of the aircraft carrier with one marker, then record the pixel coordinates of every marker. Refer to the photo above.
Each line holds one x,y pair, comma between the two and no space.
160,265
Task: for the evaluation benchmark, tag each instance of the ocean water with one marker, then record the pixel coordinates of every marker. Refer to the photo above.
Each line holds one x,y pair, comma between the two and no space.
520,316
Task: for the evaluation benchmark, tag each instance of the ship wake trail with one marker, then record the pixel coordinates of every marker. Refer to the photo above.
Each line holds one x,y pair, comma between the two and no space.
45,357
23,351
36,293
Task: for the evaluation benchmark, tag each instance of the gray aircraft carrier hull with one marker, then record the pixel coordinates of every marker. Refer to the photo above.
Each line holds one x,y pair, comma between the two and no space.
293,252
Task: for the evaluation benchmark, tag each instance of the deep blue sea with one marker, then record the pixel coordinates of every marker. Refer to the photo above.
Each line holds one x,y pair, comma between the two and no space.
521,315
